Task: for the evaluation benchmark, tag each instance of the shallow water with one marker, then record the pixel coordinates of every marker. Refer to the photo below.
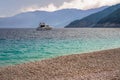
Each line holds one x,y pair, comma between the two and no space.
26,45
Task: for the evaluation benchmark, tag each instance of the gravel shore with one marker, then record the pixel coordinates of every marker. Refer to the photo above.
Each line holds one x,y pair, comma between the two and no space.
100,65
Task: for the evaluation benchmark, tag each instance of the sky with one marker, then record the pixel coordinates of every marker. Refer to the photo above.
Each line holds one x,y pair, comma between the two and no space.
12,7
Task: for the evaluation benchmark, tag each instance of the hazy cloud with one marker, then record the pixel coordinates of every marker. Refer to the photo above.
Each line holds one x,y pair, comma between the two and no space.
78,4
11,7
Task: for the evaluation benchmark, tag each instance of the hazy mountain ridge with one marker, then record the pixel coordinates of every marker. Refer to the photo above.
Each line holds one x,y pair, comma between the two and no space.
92,20
58,18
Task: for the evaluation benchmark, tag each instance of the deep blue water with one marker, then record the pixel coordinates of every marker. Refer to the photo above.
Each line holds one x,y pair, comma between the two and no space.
25,45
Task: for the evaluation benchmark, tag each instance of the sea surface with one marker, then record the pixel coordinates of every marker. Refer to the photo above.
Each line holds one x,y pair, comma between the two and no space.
28,45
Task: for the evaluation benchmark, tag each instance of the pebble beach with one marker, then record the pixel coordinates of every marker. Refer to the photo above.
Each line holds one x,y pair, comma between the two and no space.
99,65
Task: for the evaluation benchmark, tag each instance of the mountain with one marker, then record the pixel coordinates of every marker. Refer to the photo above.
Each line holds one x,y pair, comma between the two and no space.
58,18
91,20
112,20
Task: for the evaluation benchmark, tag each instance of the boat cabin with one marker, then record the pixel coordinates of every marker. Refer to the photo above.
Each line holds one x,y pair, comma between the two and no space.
43,26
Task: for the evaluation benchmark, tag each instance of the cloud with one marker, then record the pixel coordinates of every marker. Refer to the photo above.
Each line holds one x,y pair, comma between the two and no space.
30,8
13,7
50,7
78,4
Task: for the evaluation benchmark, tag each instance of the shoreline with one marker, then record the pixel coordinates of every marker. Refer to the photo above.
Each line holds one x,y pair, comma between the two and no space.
45,59
99,65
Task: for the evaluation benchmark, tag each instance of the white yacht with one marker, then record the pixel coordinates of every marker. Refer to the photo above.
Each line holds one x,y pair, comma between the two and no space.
43,26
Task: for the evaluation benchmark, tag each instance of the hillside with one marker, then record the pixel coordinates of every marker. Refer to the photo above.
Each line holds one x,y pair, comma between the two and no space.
91,20
112,20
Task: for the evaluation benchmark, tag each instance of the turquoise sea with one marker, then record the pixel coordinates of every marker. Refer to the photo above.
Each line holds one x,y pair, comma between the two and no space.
27,45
